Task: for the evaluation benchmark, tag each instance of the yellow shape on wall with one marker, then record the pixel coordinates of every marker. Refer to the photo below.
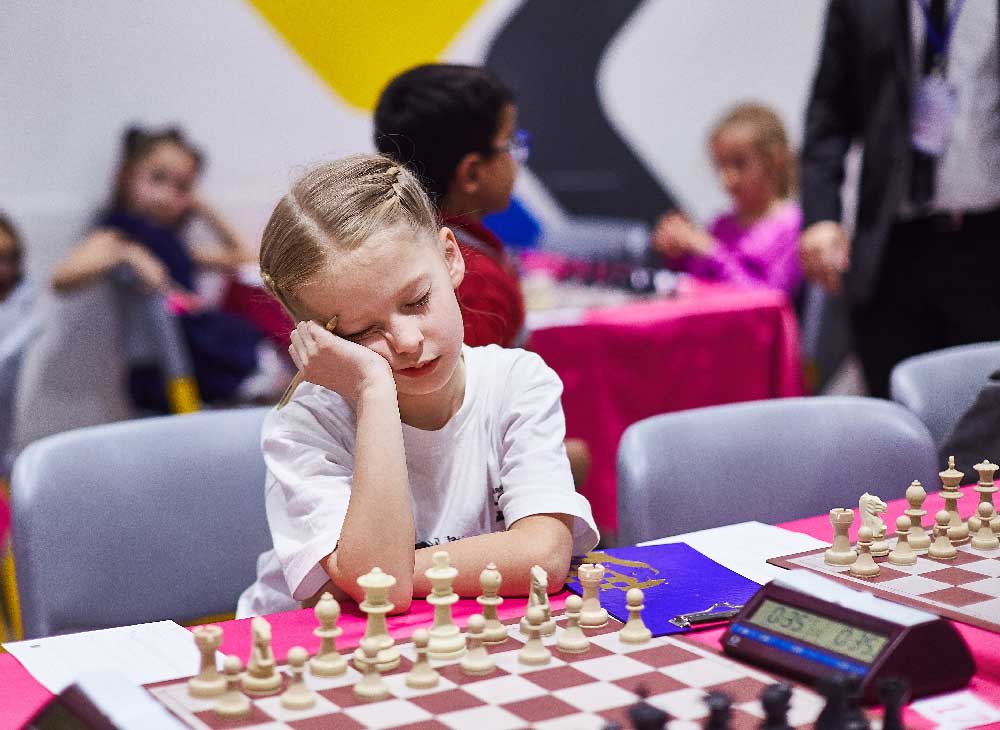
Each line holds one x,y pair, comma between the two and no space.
356,46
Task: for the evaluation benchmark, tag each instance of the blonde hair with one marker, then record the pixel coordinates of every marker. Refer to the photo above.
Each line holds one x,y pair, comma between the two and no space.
337,206
770,140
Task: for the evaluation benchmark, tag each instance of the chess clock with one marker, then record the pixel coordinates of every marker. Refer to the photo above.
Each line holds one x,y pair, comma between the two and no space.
808,626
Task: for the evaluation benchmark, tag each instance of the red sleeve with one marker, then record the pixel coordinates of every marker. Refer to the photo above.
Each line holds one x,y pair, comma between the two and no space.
491,301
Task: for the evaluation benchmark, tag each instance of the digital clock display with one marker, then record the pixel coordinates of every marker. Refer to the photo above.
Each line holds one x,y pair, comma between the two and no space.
822,632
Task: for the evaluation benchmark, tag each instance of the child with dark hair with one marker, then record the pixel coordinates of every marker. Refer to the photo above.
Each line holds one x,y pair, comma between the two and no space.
143,230
455,126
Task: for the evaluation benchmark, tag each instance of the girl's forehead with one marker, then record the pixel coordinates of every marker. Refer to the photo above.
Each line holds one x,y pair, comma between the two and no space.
173,156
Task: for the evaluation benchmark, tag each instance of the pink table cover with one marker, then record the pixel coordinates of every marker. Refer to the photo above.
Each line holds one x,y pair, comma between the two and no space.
708,346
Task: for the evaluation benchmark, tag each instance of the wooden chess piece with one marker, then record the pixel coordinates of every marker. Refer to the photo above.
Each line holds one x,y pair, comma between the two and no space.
719,710
572,640
986,487
422,675
941,548
538,595
376,585
870,507
371,686
233,703
915,496
593,615
841,552
985,538
328,662
208,682
951,479
262,676
776,699
477,661
865,566
489,582
446,640
903,553
534,652
635,631
298,696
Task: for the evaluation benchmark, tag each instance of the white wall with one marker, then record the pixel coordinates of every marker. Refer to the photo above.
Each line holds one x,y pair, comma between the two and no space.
76,72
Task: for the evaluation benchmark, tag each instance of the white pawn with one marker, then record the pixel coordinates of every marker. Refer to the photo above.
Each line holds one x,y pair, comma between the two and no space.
593,615
985,539
371,686
635,631
942,548
534,652
298,696
232,703
841,552
865,566
572,640
903,554
915,495
208,682
489,581
328,662
422,675
477,661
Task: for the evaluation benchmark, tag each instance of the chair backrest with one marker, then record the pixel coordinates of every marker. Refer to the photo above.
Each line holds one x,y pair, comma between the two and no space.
139,521
586,237
12,347
768,461
940,386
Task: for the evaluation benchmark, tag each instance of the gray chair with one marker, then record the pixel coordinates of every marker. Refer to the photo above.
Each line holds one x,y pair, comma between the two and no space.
940,386
160,518
12,349
769,461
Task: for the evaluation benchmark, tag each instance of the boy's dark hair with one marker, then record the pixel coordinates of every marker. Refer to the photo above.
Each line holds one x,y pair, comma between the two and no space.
430,117
138,142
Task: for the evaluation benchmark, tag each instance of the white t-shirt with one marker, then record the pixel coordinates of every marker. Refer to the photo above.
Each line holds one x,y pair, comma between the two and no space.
500,458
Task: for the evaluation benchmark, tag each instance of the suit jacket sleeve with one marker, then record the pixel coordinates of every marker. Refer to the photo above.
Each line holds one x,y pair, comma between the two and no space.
830,123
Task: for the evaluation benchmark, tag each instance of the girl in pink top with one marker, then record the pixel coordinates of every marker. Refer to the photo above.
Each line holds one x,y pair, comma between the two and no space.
754,245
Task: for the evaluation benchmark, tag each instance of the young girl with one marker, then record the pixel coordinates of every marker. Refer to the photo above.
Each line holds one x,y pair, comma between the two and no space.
756,244
142,229
403,438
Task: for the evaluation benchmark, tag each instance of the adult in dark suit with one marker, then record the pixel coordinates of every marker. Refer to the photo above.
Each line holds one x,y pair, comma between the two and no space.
920,273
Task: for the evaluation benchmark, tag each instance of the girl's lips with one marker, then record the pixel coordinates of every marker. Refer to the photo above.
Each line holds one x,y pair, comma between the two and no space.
424,369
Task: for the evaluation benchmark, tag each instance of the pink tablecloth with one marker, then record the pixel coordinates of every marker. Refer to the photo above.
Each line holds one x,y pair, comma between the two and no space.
708,346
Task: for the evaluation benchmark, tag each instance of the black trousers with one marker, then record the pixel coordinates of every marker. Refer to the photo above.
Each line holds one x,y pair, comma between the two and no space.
937,288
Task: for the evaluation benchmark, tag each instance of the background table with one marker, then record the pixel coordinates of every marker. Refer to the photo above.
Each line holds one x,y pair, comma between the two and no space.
707,346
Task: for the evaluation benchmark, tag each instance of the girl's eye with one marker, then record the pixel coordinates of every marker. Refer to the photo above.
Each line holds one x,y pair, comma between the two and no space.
422,302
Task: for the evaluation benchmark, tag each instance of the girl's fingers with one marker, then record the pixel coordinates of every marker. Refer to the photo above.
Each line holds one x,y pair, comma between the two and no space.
307,338
295,357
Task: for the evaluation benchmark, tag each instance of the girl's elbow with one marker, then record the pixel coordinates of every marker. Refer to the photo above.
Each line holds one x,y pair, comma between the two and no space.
401,597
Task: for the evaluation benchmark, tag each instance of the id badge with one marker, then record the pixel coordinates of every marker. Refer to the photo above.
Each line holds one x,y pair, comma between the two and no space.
934,110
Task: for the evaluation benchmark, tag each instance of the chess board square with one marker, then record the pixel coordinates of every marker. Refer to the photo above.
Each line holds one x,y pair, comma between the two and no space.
450,700
651,682
955,576
617,646
578,721
914,585
684,704
804,707
486,717
508,644
560,678
964,557
987,610
663,656
745,689
541,708
956,596
339,721
508,662
431,724
596,697
272,706
742,720
595,650
501,690
984,554
342,696
885,574
989,586
256,717
397,686
453,673
387,713
612,667
176,694
984,567
350,677
704,672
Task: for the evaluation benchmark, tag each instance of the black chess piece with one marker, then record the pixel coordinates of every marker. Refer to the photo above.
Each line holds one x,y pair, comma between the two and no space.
719,712
854,717
775,700
894,693
644,716
833,688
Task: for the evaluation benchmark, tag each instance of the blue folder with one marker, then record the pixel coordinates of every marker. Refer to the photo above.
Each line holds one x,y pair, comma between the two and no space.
675,579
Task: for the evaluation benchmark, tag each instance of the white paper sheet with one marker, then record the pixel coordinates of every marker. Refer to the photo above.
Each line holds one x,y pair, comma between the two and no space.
144,653
957,710
745,547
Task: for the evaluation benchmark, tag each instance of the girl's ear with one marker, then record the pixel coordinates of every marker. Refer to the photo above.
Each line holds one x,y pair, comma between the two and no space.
453,258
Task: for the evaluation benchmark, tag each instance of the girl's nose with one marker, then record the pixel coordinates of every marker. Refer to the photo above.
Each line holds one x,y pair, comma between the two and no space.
406,337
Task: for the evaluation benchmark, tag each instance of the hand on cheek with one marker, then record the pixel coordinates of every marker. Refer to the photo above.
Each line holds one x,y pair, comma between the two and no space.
338,364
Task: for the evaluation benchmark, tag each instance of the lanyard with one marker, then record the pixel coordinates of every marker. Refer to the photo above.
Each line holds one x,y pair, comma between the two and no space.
940,39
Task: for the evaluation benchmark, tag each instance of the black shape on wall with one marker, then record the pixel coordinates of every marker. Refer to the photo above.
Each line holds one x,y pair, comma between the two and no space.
549,53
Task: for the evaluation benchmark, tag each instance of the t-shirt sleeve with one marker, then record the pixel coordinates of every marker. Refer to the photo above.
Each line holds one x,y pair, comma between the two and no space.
534,469
308,487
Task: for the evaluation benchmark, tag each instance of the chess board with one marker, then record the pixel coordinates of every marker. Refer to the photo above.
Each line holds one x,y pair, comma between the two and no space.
573,692
965,589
